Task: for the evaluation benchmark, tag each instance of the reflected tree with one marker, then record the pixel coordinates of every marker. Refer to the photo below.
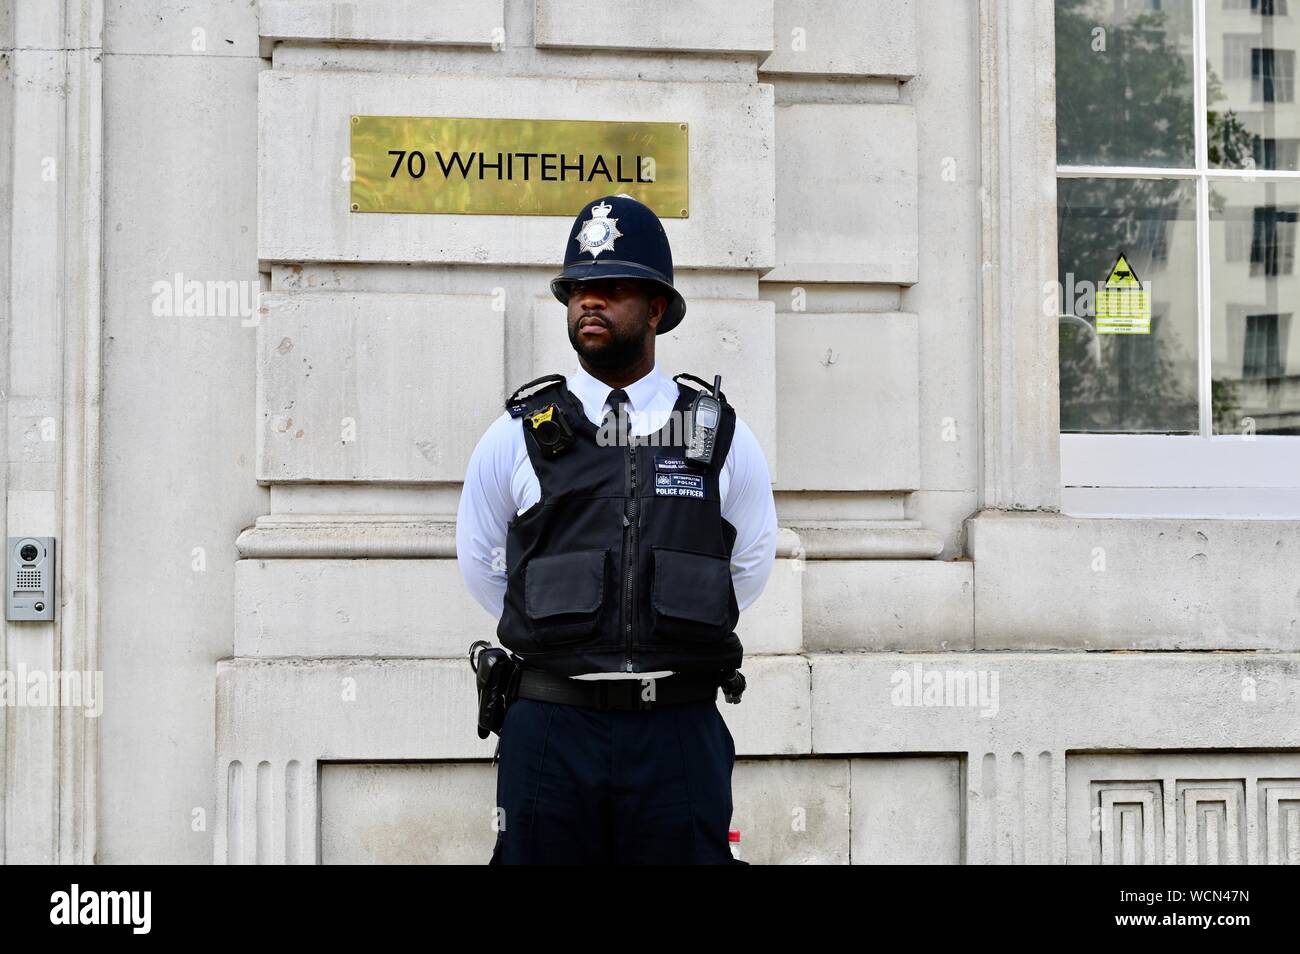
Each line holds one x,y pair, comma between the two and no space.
1124,92
1230,143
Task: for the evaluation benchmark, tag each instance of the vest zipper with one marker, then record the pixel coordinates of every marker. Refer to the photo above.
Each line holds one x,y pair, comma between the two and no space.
629,562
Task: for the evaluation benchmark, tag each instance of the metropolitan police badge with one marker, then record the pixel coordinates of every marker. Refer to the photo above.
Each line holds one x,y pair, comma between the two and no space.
598,232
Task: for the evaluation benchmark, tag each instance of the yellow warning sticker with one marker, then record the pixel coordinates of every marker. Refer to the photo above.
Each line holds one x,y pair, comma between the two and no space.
541,417
1123,303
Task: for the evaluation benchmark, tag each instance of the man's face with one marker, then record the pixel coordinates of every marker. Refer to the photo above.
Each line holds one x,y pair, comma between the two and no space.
611,320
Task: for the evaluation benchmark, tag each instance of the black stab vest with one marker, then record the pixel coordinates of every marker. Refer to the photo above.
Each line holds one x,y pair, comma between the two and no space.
623,564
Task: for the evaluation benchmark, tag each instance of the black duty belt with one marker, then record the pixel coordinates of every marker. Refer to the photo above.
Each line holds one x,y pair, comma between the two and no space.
617,693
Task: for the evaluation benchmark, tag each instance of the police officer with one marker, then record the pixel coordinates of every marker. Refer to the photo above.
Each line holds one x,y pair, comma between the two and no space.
615,522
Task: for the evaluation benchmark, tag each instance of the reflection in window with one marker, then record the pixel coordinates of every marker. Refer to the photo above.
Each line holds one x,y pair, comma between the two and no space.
1275,153
1236,54
1255,360
1153,235
1263,350
1267,8
1272,248
1238,236
1272,76
1217,356
1250,87
1128,383
1124,94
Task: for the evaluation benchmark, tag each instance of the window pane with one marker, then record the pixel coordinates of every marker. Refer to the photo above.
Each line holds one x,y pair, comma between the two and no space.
1254,296
1128,383
1250,52
1124,89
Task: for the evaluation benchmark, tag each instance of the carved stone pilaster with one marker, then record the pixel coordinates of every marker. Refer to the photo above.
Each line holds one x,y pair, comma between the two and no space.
1019,378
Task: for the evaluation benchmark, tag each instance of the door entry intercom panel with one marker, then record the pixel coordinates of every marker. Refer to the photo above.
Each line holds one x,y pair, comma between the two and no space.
30,571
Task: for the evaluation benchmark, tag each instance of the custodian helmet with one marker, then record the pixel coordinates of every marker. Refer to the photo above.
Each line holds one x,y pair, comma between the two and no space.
618,237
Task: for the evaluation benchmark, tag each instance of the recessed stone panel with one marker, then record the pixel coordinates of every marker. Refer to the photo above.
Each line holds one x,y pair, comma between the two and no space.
847,417
432,22
376,387
846,186
882,605
1146,584
332,607
670,25
844,38
431,813
907,811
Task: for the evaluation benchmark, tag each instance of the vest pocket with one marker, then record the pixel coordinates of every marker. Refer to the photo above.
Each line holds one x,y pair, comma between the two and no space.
563,594
692,596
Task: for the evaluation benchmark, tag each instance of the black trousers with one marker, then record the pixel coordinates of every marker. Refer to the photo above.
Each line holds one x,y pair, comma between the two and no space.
576,785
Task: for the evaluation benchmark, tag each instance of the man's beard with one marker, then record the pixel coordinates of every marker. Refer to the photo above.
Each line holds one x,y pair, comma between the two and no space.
616,353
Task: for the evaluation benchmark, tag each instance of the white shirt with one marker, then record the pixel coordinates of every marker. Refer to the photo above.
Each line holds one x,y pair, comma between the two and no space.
501,483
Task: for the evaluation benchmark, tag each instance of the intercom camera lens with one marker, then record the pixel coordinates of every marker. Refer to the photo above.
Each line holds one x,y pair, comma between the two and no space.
28,552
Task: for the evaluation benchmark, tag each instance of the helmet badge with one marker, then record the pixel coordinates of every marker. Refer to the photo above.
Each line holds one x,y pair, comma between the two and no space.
599,232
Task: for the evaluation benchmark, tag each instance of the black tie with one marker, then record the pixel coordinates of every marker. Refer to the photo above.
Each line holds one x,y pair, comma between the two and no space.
617,398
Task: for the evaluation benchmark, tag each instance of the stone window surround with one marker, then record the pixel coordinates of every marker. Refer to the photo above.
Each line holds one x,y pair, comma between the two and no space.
1020,543
1020,391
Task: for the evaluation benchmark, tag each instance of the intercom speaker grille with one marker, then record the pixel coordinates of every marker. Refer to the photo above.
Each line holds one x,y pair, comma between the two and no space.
29,579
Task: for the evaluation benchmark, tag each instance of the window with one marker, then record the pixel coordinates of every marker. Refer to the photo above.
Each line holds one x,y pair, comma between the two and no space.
1237,49
1153,234
1272,76
1262,355
1238,237
1268,8
1275,153
1177,142
1272,246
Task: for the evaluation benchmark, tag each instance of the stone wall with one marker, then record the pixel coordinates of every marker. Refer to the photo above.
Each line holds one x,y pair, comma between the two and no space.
943,668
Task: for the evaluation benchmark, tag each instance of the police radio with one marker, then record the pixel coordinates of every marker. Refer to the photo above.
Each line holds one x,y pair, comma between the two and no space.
706,414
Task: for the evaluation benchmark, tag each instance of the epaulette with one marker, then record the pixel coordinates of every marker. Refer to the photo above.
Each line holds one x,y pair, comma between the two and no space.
516,407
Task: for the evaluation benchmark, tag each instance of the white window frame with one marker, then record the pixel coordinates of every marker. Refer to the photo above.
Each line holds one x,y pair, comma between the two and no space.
1205,475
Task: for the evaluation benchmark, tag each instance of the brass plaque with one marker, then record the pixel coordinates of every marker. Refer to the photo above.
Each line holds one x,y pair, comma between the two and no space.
472,166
